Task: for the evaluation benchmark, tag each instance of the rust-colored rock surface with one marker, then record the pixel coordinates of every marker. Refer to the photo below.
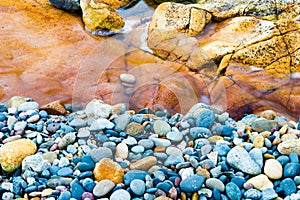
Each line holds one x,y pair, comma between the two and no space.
41,50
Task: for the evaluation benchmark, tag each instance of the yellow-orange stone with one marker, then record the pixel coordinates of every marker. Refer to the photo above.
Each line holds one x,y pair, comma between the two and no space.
13,153
110,170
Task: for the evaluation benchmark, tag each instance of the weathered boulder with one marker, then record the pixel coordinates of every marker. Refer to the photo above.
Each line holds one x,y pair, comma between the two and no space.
100,16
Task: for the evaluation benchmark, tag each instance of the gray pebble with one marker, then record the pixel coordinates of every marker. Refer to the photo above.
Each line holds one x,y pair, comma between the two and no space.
100,153
146,143
174,136
103,187
83,133
28,106
120,195
138,187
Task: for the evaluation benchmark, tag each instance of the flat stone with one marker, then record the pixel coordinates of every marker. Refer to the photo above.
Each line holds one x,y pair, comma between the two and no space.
134,174
28,106
13,153
107,169
161,142
121,122
138,187
99,153
215,183
174,136
192,183
273,169
260,182
103,187
101,124
252,194
174,159
55,108
240,159
262,124
144,164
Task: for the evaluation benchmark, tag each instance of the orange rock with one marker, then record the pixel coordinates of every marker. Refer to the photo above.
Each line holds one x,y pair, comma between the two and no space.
55,108
108,169
144,164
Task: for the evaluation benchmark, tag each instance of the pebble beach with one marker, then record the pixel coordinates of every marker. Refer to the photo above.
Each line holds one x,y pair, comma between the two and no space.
108,152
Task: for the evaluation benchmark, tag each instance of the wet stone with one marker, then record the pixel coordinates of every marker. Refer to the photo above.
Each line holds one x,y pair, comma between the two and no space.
192,183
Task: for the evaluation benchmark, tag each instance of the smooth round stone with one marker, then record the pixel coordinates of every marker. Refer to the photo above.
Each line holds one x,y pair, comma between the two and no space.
233,191
240,159
33,118
174,136
288,186
130,141
71,149
192,183
144,163
99,153
273,169
205,119
173,159
283,160
127,78
103,187
120,194
297,180
200,132
137,149
146,143
101,124
83,133
215,183
164,186
78,123
138,187
122,150
28,106
291,170
161,128
65,171
161,142
50,156
173,150
252,194
58,181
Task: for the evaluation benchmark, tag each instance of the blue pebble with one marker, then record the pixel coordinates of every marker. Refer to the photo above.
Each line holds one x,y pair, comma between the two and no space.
269,193
291,170
288,186
134,174
283,160
66,128
233,191
88,184
224,166
205,119
54,169
123,134
223,197
227,130
224,179
297,180
43,114
76,189
216,194
85,174
65,171
30,189
84,166
239,181
65,195
138,118
298,126
138,187
252,194
46,173
3,108
294,157
2,117
164,186
39,127
222,149
192,183
71,149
